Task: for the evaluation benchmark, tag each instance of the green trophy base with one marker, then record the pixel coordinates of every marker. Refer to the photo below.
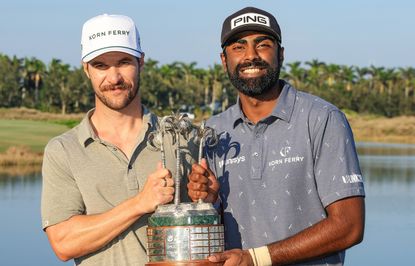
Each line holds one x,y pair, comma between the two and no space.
184,234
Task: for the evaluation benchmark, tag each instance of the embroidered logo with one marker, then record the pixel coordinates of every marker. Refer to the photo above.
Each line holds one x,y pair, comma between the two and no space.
235,160
284,151
354,178
287,157
250,18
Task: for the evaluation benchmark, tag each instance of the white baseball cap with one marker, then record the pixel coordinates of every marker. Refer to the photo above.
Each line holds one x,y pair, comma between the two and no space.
109,33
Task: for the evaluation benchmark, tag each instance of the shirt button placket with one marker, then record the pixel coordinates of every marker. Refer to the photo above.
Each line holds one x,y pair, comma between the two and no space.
256,155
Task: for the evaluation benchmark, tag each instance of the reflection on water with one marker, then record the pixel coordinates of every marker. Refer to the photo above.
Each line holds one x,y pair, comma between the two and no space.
387,162
19,170
379,162
20,186
27,179
388,169
374,148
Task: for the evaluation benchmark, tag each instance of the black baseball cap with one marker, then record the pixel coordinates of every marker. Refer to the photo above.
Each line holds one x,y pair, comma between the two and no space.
250,19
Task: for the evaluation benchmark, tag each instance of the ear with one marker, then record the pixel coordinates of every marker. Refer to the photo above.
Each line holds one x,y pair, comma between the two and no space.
141,62
223,59
281,55
85,67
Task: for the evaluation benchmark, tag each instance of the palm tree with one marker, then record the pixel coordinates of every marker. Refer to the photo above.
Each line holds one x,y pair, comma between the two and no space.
190,86
296,75
34,71
171,75
407,77
151,85
11,81
348,75
331,72
314,74
57,78
82,96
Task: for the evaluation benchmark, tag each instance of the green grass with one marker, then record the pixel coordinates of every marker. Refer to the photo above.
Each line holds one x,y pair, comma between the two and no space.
33,134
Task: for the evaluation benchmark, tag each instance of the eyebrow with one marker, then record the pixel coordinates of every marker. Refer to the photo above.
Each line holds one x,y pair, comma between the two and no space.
97,62
256,40
126,58
263,38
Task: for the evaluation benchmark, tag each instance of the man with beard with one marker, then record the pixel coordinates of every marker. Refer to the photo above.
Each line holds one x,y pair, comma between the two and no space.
100,179
291,189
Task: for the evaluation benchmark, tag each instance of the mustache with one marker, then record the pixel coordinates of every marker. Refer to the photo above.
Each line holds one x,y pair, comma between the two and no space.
253,63
122,86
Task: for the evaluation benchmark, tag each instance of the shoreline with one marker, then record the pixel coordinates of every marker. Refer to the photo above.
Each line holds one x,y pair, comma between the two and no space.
398,130
366,128
22,165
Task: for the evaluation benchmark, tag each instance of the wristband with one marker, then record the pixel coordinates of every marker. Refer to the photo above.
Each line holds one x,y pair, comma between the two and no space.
260,256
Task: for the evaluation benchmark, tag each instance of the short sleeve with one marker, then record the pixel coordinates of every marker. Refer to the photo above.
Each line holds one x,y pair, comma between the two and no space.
61,198
336,165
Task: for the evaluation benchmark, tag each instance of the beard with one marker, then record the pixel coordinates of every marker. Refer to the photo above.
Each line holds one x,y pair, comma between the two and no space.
119,104
254,86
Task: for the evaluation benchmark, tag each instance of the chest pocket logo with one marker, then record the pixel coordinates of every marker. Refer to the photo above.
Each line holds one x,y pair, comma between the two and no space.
285,151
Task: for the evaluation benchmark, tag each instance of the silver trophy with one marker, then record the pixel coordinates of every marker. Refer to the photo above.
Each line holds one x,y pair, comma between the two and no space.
183,233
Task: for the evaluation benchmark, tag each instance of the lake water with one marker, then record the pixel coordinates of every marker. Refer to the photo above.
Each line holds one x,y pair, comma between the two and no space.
389,171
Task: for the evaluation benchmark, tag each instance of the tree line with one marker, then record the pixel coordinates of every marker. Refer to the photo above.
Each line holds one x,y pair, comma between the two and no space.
58,87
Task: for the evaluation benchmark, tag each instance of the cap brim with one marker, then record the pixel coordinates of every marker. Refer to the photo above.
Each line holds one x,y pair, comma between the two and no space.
91,55
257,28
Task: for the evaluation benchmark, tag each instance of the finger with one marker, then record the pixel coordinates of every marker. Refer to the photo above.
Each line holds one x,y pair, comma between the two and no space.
163,182
199,186
168,191
162,173
220,257
203,163
207,172
198,169
198,179
199,195
159,165
169,182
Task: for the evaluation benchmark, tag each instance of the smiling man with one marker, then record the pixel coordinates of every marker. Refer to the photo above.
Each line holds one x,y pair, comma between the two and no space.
283,160
100,179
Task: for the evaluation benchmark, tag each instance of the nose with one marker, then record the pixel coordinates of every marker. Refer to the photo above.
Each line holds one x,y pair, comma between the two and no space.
251,53
114,76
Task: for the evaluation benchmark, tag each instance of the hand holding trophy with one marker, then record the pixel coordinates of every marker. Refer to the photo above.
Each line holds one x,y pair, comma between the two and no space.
183,233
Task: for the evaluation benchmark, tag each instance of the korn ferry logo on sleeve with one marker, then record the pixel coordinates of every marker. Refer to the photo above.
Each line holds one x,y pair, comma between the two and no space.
249,18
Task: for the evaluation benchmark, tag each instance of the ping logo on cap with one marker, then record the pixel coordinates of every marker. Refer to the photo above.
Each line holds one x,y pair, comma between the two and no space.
250,18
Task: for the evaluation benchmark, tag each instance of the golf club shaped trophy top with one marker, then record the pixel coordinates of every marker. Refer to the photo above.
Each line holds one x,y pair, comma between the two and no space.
183,233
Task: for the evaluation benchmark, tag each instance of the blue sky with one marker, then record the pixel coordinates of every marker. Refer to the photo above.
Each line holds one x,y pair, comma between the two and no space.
352,32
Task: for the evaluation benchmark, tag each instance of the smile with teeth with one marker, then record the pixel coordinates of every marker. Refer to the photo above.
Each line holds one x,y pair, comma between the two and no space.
251,70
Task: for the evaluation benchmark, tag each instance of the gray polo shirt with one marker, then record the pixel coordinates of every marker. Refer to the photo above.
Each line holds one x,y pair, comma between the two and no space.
277,176
85,175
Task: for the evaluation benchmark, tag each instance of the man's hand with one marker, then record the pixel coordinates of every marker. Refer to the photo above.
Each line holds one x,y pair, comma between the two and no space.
233,257
158,190
83,234
202,183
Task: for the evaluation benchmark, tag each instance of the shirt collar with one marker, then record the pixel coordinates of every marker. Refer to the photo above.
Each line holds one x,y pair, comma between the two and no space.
86,134
283,110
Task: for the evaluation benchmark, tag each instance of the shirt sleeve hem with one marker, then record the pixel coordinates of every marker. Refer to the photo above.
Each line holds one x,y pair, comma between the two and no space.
338,195
53,221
